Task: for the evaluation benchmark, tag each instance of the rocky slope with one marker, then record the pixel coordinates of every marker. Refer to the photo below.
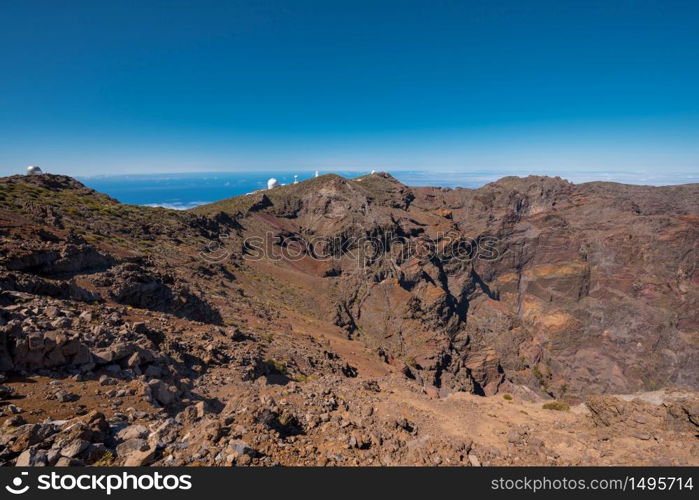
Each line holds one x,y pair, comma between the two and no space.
350,322
573,290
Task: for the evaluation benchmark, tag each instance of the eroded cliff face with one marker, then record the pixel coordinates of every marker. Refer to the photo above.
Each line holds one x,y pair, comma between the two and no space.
566,289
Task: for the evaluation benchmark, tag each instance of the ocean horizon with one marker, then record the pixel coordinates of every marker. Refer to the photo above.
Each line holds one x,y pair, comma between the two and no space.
182,191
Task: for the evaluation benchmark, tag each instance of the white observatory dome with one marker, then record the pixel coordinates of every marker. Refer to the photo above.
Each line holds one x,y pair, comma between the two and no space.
272,183
33,170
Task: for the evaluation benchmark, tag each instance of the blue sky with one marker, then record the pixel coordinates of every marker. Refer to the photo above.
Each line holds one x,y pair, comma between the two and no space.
524,86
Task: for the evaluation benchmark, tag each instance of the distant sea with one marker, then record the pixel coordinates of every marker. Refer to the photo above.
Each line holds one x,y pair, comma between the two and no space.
187,190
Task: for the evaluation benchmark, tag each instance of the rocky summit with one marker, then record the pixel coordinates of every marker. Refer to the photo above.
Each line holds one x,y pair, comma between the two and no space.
351,322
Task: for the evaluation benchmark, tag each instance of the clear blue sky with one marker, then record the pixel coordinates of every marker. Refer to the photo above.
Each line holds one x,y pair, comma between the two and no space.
102,87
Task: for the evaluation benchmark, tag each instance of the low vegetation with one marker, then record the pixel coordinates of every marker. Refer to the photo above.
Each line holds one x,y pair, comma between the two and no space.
556,405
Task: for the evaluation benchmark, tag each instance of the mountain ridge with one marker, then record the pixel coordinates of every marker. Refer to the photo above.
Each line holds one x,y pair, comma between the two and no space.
391,318
549,206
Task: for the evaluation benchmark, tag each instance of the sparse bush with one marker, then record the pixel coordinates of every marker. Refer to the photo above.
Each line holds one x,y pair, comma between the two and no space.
411,362
105,460
542,376
507,397
556,405
275,366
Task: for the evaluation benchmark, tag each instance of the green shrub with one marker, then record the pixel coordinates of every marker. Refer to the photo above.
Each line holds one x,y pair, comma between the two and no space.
540,377
302,378
507,397
556,405
275,366
105,460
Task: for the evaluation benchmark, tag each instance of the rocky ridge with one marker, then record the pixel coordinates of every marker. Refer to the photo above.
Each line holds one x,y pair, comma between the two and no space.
259,331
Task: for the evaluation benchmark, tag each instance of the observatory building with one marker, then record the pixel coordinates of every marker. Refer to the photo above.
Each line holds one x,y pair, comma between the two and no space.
33,170
272,183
